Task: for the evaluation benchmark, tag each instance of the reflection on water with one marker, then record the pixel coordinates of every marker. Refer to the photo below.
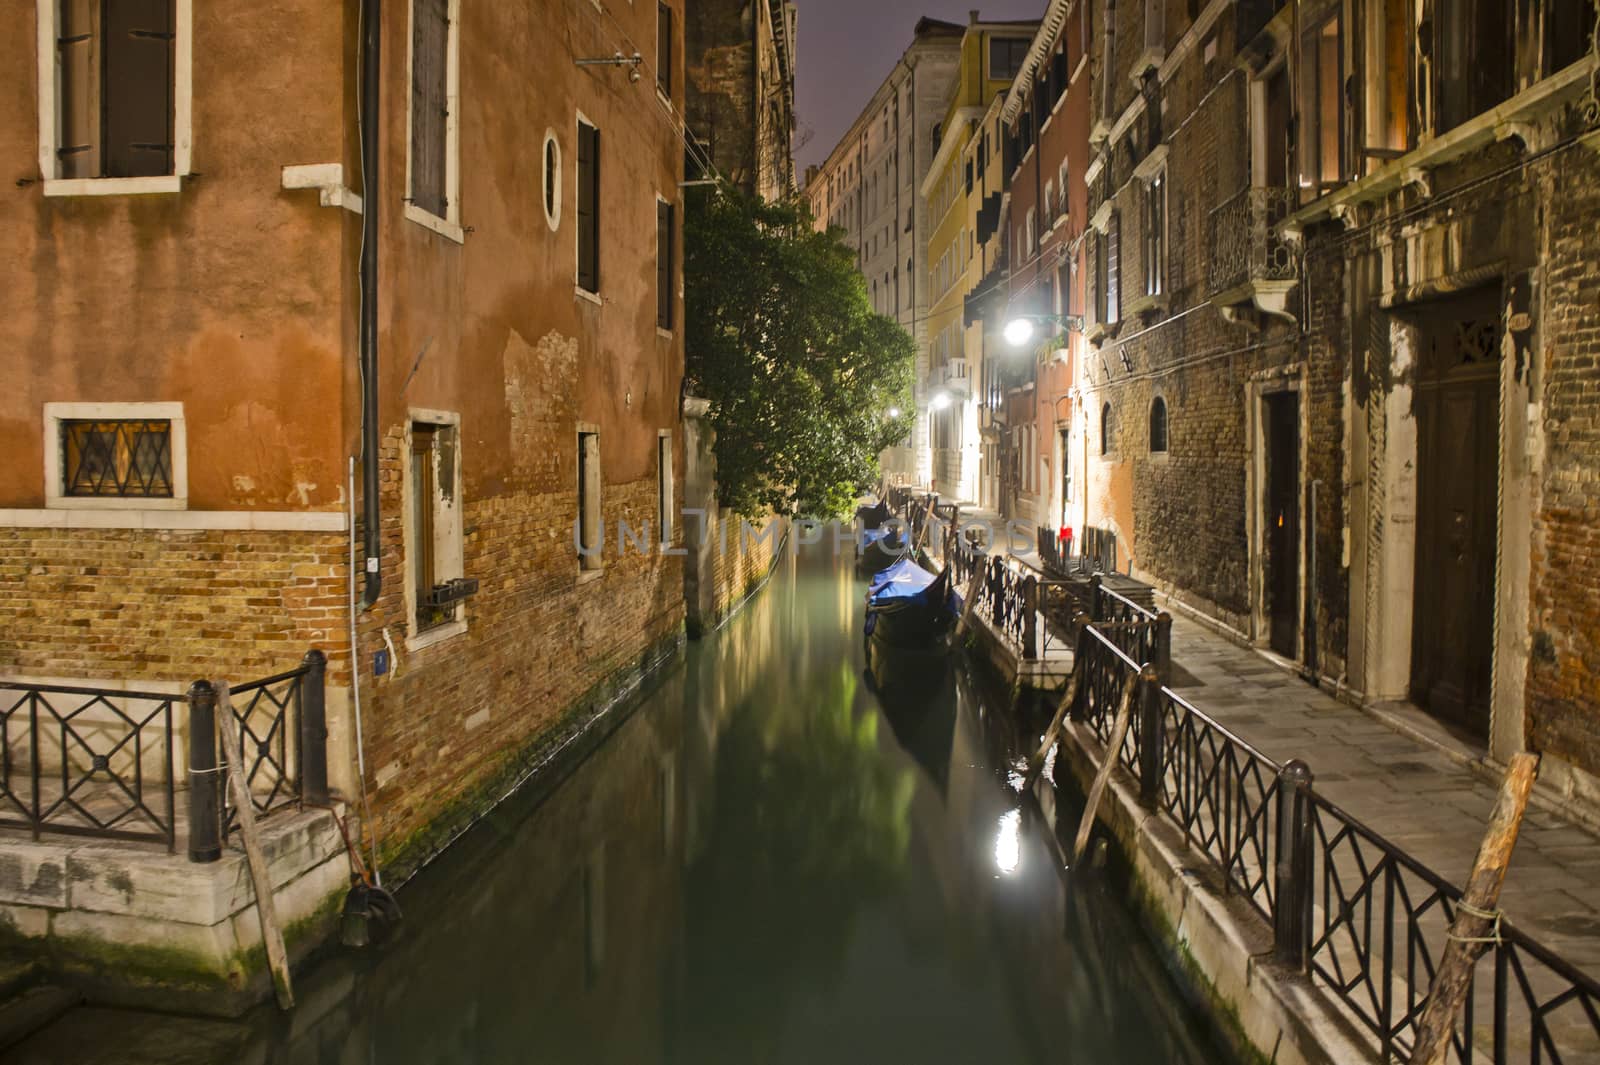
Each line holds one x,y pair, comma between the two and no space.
751,869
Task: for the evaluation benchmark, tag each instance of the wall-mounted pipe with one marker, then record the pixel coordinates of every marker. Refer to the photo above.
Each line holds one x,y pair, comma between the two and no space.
369,117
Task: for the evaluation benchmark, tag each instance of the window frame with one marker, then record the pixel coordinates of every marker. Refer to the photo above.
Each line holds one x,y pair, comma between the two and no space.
591,294
591,512
449,224
666,267
446,529
1108,430
55,496
551,187
665,16
664,487
1158,403
49,105
1153,230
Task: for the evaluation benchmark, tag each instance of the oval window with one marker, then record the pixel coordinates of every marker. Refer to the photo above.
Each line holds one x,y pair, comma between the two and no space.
552,180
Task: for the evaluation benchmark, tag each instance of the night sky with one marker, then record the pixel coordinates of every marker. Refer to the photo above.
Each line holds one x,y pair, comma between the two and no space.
847,48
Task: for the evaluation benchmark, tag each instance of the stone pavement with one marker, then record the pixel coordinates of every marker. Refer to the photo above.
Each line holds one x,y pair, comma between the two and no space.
1405,790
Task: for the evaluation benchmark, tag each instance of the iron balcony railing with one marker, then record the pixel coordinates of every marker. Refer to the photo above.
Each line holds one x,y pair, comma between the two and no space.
104,763
1365,920
1244,242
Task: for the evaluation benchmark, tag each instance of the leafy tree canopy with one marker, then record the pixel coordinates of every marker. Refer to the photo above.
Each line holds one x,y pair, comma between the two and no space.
782,340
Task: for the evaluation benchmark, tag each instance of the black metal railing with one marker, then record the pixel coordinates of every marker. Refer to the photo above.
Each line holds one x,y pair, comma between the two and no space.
87,762
1364,919
101,762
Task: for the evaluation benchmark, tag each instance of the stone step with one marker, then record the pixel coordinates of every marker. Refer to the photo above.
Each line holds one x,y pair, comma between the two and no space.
26,1012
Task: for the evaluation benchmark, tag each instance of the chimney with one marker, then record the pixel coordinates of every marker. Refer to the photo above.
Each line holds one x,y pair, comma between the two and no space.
972,17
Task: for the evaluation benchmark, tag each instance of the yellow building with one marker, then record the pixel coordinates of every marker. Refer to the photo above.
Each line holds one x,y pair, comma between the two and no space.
991,53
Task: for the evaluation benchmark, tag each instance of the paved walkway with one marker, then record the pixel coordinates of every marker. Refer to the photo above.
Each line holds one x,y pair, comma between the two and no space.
1405,790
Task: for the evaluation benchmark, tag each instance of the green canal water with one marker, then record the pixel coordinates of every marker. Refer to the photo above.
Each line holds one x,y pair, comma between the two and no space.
764,863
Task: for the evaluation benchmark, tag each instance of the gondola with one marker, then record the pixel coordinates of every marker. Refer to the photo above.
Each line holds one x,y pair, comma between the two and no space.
873,515
880,548
909,614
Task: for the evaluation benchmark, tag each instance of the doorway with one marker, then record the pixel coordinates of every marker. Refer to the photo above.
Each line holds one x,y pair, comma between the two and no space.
1457,411
1282,583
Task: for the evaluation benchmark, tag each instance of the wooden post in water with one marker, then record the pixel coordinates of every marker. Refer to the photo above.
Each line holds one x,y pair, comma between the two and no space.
1070,696
1477,920
970,601
1119,733
260,877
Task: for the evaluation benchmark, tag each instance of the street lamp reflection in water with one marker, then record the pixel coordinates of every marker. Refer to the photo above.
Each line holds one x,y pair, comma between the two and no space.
1008,845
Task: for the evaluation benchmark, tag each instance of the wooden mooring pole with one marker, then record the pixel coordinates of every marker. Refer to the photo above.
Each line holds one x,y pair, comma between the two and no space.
1119,733
1477,921
1068,697
260,876
968,603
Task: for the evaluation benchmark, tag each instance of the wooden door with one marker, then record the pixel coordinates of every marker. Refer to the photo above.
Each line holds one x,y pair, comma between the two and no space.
1283,519
1452,642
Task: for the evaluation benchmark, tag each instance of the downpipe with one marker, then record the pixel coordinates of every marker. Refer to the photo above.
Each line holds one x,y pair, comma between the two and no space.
371,44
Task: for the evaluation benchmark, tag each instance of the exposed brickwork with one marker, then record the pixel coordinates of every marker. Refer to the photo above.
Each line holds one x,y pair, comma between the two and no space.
173,606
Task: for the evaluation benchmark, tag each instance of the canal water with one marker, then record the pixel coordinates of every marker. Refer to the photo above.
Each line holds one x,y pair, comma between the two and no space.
763,864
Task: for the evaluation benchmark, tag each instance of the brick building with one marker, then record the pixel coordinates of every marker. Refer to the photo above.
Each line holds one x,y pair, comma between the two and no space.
1046,116
740,57
869,187
195,358
1339,321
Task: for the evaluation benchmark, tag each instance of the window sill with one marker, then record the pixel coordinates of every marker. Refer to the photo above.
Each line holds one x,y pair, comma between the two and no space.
664,334
584,294
115,503
164,184
442,226
589,576
438,634
177,520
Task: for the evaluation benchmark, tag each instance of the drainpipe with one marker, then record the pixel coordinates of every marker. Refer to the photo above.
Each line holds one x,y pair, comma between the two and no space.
371,18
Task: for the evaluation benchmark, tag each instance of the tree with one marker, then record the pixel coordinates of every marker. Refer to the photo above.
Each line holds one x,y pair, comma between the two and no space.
800,373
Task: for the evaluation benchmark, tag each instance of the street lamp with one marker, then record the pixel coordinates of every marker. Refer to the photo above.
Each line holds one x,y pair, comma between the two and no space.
894,413
1019,330
940,400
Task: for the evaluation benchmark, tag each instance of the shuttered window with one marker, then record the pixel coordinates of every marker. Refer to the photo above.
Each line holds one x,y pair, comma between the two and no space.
1113,268
666,251
664,48
116,75
430,89
588,208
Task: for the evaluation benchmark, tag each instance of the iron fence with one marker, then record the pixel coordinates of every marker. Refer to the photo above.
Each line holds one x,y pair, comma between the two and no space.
87,762
103,762
1365,920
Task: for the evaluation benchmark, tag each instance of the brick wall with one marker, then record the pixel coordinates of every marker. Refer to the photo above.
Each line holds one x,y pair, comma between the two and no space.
169,606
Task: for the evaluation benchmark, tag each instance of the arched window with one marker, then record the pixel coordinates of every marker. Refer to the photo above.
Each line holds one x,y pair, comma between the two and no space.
1158,425
1108,430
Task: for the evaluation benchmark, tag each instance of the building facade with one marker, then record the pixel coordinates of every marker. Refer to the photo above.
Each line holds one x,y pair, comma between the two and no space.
990,56
202,465
740,105
870,188
1046,116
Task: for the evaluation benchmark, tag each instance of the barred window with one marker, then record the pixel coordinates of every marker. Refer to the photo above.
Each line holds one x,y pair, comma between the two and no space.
123,458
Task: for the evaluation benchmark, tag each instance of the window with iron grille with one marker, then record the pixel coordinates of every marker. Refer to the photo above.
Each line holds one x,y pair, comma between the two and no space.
588,208
122,458
666,250
430,105
116,88
1113,274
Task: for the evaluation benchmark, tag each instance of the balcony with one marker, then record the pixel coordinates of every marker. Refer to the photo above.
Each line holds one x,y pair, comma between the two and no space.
954,374
1251,267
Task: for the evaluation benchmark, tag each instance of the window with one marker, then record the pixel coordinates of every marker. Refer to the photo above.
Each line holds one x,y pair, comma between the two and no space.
1032,231
1049,201
1321,109
588,208
1006,56
1155,235
1061,186
591,534
666,264
664,48
431,162
664,485
1275,133
433,542
1113,245
552,180
114,95
115,456
1158,426
1108,430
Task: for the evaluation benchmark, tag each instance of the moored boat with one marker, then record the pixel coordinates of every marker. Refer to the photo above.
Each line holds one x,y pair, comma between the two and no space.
880,548
873,515
908,607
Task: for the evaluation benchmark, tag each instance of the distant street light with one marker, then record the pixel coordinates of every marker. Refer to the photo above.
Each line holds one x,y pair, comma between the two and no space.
1019,330
894,412
940,400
